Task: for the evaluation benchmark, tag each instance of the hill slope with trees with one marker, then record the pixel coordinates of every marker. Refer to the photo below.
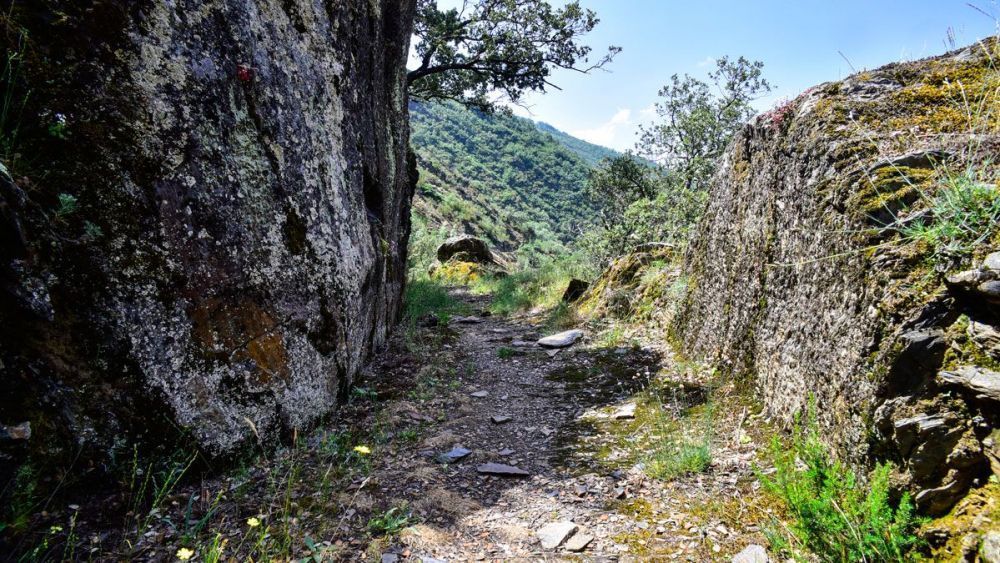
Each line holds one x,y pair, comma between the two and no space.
503,178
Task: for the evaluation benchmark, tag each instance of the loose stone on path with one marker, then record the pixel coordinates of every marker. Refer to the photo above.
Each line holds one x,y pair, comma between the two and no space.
561,340
554,534
480,394
457,453
502,470
578,542
500,418
625,411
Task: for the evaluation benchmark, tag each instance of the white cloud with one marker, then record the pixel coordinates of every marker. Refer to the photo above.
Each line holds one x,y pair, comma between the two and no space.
607,133
707,61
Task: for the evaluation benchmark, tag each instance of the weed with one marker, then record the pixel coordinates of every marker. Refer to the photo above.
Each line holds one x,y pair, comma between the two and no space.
833,516
148,487
22,491
363,394
611,338
672,460
682,447
963,213
12,102
67,206
391,521
562,316
425,296
504,352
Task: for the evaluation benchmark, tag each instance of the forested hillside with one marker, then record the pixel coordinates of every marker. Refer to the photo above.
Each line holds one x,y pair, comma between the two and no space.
589,152
503,178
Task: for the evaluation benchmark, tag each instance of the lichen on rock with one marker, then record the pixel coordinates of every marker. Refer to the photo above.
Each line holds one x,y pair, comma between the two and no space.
236,249
801,280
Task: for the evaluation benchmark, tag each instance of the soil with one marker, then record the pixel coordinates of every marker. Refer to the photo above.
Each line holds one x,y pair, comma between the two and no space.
438,388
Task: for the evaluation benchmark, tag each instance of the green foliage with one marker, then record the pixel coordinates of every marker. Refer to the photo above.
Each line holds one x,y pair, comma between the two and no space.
426,296
504,352
682,447
697,119
496,177
964,212
590,153
535,284
497,48
675,460
21,494
642,203
14,96
833,516
67,205
391,521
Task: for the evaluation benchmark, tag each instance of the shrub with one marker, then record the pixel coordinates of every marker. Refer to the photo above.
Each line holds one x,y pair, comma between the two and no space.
833,516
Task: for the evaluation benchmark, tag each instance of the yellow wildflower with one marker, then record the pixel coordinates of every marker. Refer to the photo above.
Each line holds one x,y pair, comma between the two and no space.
363,450
253,522
184,553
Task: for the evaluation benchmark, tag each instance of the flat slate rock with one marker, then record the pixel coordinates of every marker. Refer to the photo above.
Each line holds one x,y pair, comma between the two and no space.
552,535
752,554
457,453
561,340
578,542
502,470
983,382
624,412
480,394
467,320
500,419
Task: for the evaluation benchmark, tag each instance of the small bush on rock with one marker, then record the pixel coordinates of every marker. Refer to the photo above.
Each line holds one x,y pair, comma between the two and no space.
834,517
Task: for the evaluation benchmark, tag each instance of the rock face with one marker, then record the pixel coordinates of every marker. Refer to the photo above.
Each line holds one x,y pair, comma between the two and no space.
798,276
209,236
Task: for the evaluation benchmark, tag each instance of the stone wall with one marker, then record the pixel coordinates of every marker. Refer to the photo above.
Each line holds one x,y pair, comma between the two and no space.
800,281
205,219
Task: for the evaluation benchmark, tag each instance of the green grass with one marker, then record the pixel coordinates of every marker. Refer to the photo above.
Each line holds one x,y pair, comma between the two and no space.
538,282
673,460
426,296
834,515
964,212
504,352
682,447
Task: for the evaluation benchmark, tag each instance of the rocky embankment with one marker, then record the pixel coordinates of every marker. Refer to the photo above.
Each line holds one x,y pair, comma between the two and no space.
802,277
204,234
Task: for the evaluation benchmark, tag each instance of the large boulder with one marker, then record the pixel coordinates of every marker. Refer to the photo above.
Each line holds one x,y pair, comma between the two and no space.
465,248
799,279
205,239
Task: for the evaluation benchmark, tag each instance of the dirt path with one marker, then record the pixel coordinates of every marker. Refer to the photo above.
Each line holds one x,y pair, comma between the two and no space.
562,418
636,453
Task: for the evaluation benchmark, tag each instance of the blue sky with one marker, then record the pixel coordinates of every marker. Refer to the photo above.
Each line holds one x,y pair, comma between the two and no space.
798,41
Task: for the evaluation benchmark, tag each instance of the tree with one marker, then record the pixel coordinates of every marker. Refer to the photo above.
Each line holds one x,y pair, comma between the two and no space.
698,119
618,183
494,51
641,202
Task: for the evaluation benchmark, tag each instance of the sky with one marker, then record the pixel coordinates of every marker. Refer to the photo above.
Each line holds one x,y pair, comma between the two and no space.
801,43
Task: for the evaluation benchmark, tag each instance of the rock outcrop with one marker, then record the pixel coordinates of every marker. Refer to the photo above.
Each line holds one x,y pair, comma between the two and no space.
465,248
800,277
205,220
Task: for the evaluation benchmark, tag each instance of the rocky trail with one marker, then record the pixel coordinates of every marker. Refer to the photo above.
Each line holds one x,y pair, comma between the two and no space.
467,441
548,458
